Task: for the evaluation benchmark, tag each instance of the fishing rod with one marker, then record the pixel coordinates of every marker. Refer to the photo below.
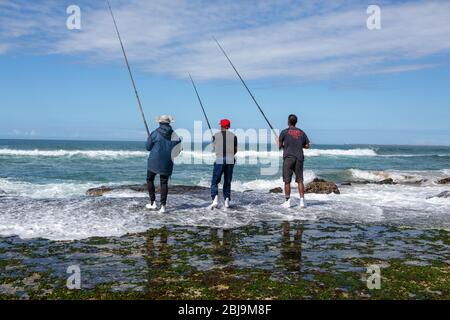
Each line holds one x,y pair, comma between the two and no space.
129,70
201,105
248,90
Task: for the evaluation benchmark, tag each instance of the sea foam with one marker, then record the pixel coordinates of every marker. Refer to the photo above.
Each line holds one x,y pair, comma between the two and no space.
260,184
44,190
83,217
117,154
101,154
396,176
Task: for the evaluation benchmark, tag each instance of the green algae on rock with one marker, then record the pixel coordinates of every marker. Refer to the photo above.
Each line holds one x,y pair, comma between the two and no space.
288,260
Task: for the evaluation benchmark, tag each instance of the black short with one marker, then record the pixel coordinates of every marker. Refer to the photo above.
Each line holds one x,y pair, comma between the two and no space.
291,165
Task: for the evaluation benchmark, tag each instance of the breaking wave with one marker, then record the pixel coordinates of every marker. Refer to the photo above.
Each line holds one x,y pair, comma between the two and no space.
396,176
67,189
77,189
260,184
117,154
341,152
101,154
83,217
50,190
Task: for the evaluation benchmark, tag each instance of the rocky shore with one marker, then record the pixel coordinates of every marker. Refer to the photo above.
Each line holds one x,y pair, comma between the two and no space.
316,186
444,181
320,258
321,186
444,194
287,260
175,189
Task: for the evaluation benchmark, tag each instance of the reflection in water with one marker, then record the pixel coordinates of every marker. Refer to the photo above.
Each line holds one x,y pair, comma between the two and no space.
158,250
222,241
159,254
291,249
184,254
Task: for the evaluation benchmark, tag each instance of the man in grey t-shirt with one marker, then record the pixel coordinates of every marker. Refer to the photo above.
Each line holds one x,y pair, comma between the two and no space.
225,146
293,140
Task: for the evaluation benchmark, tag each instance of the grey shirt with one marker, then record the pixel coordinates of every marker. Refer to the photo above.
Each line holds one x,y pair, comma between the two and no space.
292,141
225,147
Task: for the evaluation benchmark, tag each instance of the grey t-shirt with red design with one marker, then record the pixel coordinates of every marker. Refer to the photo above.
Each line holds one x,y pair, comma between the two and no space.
293,140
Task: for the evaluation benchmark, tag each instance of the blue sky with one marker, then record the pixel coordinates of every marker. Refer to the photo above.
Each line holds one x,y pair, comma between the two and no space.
348,84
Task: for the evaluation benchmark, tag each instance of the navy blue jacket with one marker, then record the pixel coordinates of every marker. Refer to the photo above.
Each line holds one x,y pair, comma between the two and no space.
163,149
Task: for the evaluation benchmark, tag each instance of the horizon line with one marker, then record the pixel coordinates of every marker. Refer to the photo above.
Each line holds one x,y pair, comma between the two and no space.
143,140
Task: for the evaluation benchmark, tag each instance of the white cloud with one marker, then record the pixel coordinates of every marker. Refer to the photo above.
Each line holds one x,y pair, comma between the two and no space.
404,68
280,38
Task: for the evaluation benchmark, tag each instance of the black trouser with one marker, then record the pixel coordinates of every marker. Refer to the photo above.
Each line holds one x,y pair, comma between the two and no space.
164,187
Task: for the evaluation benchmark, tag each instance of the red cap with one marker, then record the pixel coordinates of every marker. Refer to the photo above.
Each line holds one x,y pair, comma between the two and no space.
225,123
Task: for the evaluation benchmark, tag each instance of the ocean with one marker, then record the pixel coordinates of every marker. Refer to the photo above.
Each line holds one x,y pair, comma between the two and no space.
43,188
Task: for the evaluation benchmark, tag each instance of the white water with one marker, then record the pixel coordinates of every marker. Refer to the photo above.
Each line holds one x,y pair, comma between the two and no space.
75,189
99,154
114,154
68,190
50,190
114,215
403,177
117,154
263,185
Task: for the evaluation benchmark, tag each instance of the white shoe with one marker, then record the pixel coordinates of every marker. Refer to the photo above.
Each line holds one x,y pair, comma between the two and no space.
227,202
215,203
163,209
287,203
151,206
302,203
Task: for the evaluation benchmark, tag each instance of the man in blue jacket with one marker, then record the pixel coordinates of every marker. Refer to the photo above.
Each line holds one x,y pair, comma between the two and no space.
164,146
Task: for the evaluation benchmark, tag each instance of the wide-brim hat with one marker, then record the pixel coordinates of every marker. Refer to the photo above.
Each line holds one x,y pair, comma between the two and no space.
165,119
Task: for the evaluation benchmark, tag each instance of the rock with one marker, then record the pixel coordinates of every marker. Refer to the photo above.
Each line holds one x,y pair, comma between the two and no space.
346,184
174,189
444,181
322,186
276,190
391,181
417,181
444,194
100,191
386,181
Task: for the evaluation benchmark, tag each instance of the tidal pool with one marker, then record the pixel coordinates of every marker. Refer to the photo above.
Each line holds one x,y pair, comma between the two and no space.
277,260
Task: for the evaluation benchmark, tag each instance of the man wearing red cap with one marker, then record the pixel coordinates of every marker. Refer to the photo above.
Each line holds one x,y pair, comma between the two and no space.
225,147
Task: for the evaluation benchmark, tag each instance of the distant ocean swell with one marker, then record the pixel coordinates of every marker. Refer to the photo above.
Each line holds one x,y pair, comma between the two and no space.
117,154
113,154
